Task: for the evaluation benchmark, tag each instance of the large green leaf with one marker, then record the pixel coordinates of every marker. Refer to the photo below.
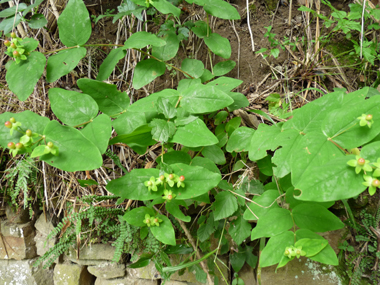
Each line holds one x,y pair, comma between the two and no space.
198,180
225,84
263,140
316,218
76,153
127,122
169,50
221,9
166,7
218,45
162,130
275,248
194,134
110,100
200,29
223,67
346,130
200,99
149,104
37,21
11,11
239,230
28,120
206,163
214,153
173,208
99,132
74,24
332,181
193,67
173,157
108,65
136,216
146,71
261,204
312,150
165,231
140,137
312,246
6,25
240,101
273,223
142,39
19,77
240,140
225,205
371,151
72,108
131,185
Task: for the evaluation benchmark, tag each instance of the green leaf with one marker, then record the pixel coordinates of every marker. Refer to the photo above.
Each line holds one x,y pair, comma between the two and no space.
28,120
200,29
200,99
165,232
162,130
166,8
275,248
38,151
30,7
76,153
165,107
110,100
169,50
225,205
263,140
198,181
19,78
343,131
11,11
332,181
99,132
240,139
274,222
7,25
131,185
72,108
175,157
206,229
316,218
214,153
37,21
218,45
29,44
206,76
74,24
136,216
312,246
221,9
149,104
232,125
237,260
294,202
250,258
127,122
88,182
371,151
141,137
193,67
173,208
309,151
108,65
206,163
326,256
63,62
142,39
194,134
146,71
239,230
223,67
225,84
265,165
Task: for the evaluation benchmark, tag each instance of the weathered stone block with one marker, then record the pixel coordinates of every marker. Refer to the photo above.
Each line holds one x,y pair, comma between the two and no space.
247,274
72,274
14,272
95,251
17,216
147,272
124,281
44,224
107,270
40,240
18,241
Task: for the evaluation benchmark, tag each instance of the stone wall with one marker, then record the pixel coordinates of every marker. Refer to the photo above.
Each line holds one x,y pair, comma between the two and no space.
22,241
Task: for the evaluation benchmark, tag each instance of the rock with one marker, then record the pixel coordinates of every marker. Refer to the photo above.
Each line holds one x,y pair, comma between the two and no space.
44,225
107,270
147,272
96,251
176,283
247,274
14,272
125,281
72,274
40,240
300,271
17,216
18,240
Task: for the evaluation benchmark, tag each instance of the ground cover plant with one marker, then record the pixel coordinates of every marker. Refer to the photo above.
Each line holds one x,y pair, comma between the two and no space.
328,151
